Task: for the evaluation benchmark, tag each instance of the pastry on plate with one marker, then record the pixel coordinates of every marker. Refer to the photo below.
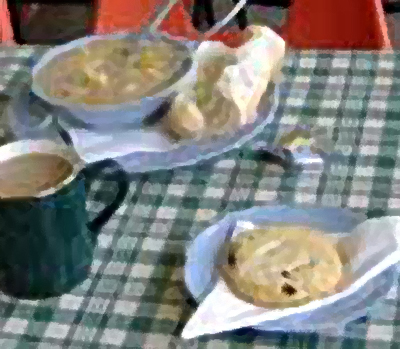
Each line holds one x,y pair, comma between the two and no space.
204,111
229,86
282,266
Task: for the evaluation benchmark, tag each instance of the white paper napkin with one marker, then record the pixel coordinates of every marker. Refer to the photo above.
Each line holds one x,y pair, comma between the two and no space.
243,84
92,146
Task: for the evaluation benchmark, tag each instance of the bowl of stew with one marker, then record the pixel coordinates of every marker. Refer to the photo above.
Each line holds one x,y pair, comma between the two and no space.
108,80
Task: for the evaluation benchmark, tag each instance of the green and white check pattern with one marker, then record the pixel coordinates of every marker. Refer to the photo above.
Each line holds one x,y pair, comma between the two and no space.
136,298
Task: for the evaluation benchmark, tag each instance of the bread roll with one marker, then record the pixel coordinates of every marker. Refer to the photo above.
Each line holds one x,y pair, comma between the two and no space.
184,119
203,112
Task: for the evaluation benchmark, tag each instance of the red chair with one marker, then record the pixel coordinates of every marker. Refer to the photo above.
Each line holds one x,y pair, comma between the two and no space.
5,25
328,24
337,24
323,24
119,16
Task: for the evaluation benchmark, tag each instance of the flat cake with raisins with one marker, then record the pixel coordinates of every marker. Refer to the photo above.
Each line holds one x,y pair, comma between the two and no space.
282,266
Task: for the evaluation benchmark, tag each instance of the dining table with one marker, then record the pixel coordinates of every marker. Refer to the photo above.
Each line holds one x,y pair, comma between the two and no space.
136,296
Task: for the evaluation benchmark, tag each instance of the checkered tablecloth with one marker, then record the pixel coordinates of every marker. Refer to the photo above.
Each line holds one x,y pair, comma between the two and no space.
136,298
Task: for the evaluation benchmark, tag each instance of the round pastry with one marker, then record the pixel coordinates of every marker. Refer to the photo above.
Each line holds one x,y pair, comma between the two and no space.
282,266
203,112
184,120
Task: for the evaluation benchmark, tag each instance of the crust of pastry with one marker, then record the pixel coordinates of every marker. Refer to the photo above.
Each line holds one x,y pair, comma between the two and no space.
282,266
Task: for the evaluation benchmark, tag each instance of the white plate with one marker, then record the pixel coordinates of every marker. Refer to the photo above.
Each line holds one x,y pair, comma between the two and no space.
201,252
140,151
202,258
136,150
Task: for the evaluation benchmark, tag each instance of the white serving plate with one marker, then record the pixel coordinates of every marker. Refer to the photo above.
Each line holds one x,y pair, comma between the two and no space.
106,116
138,150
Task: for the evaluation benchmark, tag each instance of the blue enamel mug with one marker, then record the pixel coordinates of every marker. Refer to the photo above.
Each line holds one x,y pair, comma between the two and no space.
46,241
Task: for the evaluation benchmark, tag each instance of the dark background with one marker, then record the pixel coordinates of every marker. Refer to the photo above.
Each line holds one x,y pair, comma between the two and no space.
68,22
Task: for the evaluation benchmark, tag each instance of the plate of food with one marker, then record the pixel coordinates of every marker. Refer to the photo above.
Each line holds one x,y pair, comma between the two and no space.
233,96
289,269
107,80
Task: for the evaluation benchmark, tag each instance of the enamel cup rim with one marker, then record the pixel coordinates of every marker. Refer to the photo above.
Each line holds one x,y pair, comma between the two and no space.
24,147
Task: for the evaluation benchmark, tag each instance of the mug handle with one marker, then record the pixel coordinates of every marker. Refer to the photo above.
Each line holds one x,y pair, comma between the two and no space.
90,173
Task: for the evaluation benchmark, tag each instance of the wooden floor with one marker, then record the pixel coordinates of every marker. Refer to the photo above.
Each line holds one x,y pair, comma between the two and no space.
66,22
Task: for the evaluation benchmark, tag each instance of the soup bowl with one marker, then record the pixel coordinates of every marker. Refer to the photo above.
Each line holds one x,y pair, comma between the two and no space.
104,116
